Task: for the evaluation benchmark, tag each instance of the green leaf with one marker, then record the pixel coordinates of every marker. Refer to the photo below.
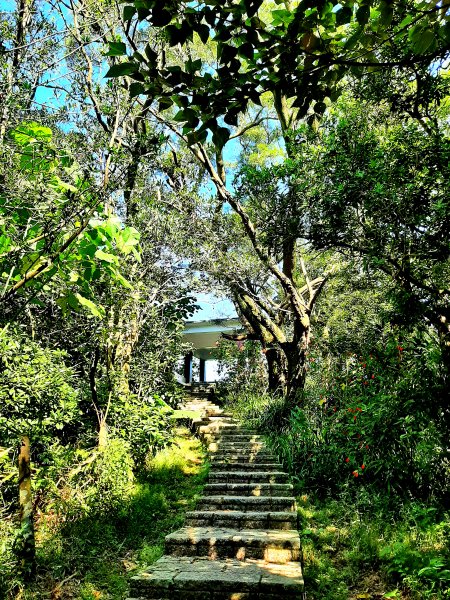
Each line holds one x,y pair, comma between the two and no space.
221,136
160,15
165,103
406,21
203,32
363,14
123,282
121,69
127,239
95,309
27,133
150,54
136,89
353,39
387,11
246,50
106,257
282,17
344,15
176,34
128,12
116,49
422,39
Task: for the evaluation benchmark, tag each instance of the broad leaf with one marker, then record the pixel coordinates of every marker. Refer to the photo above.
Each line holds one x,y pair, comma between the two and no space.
121,69
116,49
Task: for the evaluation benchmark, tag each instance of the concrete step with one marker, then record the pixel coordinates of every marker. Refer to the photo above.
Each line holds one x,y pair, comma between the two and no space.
273,476
243,503
238,519
184,578
272,545
244,466
248,489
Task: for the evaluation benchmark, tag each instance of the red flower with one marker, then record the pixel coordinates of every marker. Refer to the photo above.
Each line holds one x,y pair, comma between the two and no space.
347,459
363,467
367,446
400,348
355,473
373,376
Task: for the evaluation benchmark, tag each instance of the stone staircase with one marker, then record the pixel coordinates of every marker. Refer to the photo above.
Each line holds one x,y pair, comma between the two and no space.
241,542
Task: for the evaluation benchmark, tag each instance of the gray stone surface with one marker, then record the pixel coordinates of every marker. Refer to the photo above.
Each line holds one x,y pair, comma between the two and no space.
241,542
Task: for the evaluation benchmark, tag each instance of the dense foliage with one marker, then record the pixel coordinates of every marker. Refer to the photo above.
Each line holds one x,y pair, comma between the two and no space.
291,156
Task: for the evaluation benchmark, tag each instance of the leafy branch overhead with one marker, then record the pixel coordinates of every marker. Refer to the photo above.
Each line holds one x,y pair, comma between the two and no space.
70,236
301,53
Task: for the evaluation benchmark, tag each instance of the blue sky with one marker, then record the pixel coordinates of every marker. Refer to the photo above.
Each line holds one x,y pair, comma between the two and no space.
212,307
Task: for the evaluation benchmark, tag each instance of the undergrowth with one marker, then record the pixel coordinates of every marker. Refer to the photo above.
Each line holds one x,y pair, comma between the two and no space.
357,548
363,535
92,558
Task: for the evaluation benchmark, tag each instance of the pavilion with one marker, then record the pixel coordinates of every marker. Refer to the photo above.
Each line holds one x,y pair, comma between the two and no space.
203,336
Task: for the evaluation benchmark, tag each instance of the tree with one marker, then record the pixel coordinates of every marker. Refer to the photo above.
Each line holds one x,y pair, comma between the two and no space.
254,58
376,188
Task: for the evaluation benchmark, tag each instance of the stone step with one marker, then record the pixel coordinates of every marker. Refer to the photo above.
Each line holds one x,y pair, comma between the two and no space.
263,457
218,428
237,435
273,476
214,414
220,418
243,503
238,519
224,431
238,445
272,545
248,489
261,451
184,578
244,466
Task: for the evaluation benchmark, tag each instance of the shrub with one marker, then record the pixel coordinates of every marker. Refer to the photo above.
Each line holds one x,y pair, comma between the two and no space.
99,481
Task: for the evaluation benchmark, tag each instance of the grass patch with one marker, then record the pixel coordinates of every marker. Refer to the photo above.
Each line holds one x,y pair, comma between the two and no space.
352,550
93,558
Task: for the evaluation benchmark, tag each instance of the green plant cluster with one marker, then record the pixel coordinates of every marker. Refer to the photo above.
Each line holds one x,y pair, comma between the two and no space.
105,523
365,547
366,449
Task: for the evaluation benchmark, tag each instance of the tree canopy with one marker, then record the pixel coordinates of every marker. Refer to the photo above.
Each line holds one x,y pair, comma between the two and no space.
291,157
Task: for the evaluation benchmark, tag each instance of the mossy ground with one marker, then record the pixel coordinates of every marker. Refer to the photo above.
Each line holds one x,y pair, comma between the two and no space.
93,558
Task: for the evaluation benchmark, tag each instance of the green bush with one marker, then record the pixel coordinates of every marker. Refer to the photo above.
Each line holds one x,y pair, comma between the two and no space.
38,397
146,425
374,419
99,481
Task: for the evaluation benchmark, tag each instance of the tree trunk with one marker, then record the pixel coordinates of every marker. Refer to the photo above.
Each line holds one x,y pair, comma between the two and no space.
294,366
296,373
24,546
24,16
277,371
